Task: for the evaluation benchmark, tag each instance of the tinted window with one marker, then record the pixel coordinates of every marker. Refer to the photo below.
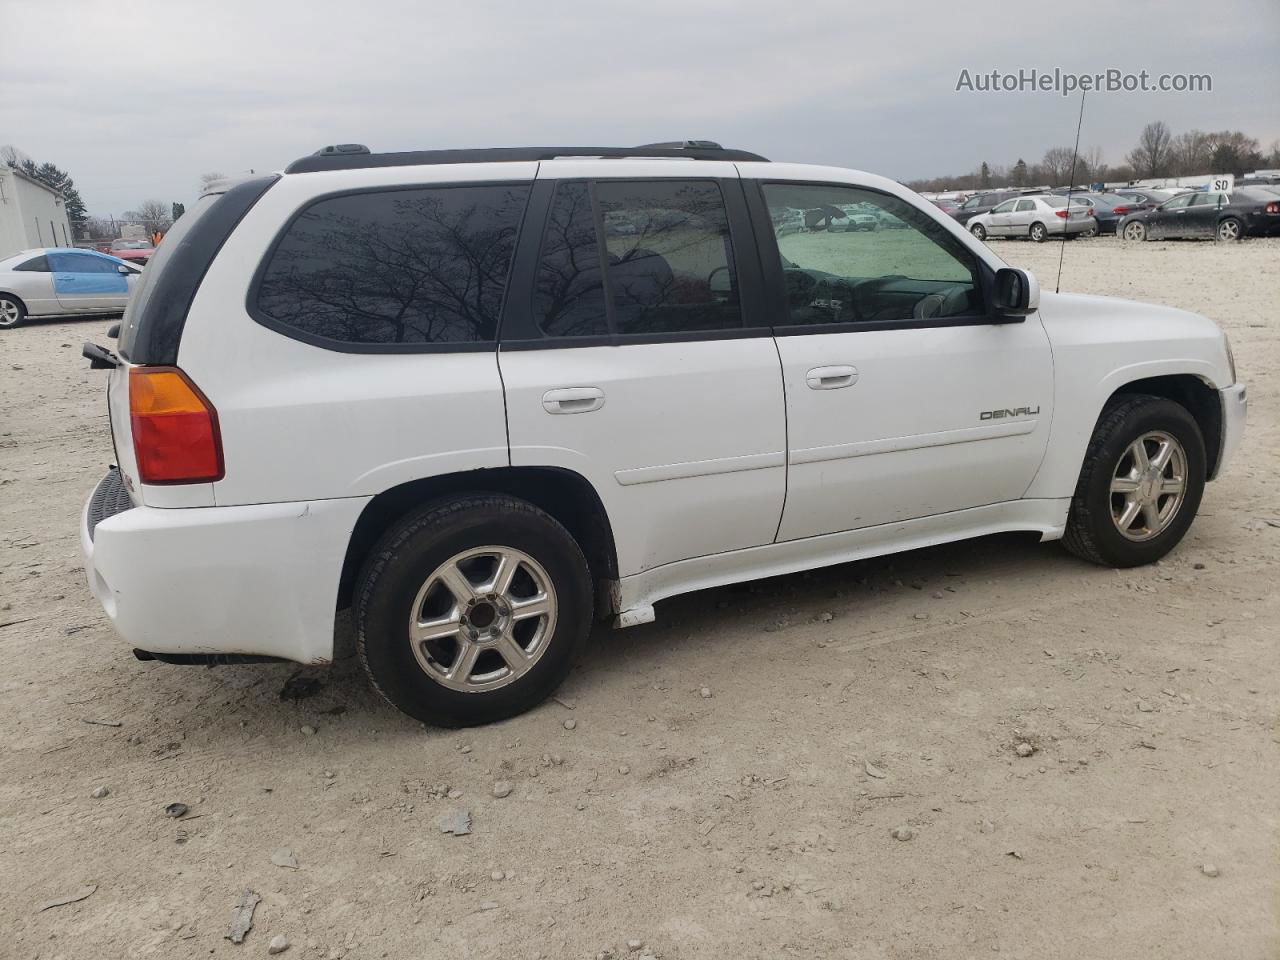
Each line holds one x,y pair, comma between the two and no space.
921,272
36,265
1177,203
81,263
670,266
396,266
568,299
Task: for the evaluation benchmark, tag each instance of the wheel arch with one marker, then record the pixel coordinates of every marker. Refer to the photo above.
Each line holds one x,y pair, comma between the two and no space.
13,296
565,495
1198,397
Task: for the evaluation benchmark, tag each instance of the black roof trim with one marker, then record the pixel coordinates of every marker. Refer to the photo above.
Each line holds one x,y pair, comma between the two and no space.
695,150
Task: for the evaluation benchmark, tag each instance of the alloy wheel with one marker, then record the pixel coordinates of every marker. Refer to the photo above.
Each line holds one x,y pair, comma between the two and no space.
1229,230
1148,486
1135,231
9,312
482,619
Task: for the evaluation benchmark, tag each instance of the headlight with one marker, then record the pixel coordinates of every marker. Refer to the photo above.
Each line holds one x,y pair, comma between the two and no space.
1231,357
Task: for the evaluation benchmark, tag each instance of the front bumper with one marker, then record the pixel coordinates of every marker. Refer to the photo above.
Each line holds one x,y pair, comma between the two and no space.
1235,409
259,580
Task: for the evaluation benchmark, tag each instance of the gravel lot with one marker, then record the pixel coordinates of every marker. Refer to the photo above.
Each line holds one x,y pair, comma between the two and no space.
748,819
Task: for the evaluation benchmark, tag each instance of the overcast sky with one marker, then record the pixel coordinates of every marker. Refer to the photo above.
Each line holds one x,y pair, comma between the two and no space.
137,98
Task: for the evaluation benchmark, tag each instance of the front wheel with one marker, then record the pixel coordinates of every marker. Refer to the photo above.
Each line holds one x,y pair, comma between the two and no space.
1039,233
1230,229
979,231
1140,485
1135,230
471,610
12,312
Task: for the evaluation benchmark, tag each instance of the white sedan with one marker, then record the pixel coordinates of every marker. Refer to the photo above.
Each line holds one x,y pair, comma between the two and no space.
63,282
1038,218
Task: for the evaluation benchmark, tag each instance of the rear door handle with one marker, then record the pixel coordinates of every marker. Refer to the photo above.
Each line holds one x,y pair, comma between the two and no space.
573,400
831,378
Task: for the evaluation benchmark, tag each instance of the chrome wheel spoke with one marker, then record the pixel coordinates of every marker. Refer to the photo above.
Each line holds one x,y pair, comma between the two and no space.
1172,485
1151,516
1163,453
464,661
535,607
456,583
441,628
1130,513
512,653
504,572
1141,463
1124,485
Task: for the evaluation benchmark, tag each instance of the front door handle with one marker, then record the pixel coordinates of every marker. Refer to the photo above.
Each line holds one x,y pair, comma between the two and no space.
573,400
831,378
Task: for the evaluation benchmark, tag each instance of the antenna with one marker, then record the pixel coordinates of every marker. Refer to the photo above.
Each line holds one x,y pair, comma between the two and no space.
1075,152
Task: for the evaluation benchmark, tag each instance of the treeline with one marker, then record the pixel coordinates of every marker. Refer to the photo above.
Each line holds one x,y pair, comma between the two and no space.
1158,153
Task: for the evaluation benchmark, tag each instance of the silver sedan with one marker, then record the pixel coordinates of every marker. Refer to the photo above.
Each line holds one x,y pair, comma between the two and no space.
63,282
1037,217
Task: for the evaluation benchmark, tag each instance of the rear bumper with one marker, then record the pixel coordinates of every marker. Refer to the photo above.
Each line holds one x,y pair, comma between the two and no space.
259,580
1235,409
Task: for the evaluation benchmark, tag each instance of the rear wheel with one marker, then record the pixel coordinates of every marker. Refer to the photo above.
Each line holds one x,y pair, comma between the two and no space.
979,231
471,610
12,312
1230,229
1135,230
1039,233
1140,485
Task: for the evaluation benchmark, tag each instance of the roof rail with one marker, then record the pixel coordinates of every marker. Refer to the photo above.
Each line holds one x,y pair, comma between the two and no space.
354,156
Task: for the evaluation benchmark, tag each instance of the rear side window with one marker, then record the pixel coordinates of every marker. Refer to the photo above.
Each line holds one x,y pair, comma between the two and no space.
395,268
36,265
637,258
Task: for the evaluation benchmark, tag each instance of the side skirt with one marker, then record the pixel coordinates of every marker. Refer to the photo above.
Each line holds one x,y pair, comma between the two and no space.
635,595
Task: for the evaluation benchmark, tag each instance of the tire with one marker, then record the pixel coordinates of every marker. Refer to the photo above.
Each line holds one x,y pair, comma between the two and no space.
1135,230
1093,530
459,536
1090,233
979,231
1039,232
1230,230
12,311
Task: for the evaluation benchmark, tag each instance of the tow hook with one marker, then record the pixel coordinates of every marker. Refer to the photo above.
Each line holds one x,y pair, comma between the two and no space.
100,358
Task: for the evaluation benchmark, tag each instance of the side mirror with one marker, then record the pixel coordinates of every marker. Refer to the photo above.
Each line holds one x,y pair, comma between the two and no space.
1017,293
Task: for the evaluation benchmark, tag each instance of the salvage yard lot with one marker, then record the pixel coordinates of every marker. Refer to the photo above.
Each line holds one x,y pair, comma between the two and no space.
733,772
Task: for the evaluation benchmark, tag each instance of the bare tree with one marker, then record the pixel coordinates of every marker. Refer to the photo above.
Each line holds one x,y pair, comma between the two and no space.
1056,167
208,178
1151,157
1192,152
154,214
11,156
1094,165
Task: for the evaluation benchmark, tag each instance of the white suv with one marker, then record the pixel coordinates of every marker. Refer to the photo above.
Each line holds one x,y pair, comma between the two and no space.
483,396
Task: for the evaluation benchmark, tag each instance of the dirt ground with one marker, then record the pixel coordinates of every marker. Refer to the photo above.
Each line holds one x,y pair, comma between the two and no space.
751,823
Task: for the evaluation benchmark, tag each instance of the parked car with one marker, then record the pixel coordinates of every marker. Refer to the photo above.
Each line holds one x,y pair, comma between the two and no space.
62,282
1107,209
1148,198
437,388
946,206
861,218
981,203
1245,212
135,251
1035,217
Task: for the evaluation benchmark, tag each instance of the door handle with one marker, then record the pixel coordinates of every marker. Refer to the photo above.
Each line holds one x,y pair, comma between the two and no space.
573,400
831,378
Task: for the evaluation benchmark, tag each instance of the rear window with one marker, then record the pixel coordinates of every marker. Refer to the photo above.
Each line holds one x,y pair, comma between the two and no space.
397,269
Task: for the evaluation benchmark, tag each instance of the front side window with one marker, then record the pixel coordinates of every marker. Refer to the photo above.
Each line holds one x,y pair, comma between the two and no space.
80,263
661,261
396,267
921,272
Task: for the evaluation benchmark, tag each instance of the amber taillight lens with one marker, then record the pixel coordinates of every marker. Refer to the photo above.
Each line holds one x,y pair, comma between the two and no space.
175,428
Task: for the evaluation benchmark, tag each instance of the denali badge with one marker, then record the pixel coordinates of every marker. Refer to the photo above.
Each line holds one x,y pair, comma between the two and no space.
1015,412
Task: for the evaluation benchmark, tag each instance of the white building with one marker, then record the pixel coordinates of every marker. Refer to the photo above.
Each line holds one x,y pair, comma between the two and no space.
31,214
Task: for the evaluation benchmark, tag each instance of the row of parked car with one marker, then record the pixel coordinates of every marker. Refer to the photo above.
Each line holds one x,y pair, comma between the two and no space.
1133,214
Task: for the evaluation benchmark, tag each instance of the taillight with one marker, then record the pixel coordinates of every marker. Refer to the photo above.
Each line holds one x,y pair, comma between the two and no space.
1121,211
1062,213
1272,208
175,428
